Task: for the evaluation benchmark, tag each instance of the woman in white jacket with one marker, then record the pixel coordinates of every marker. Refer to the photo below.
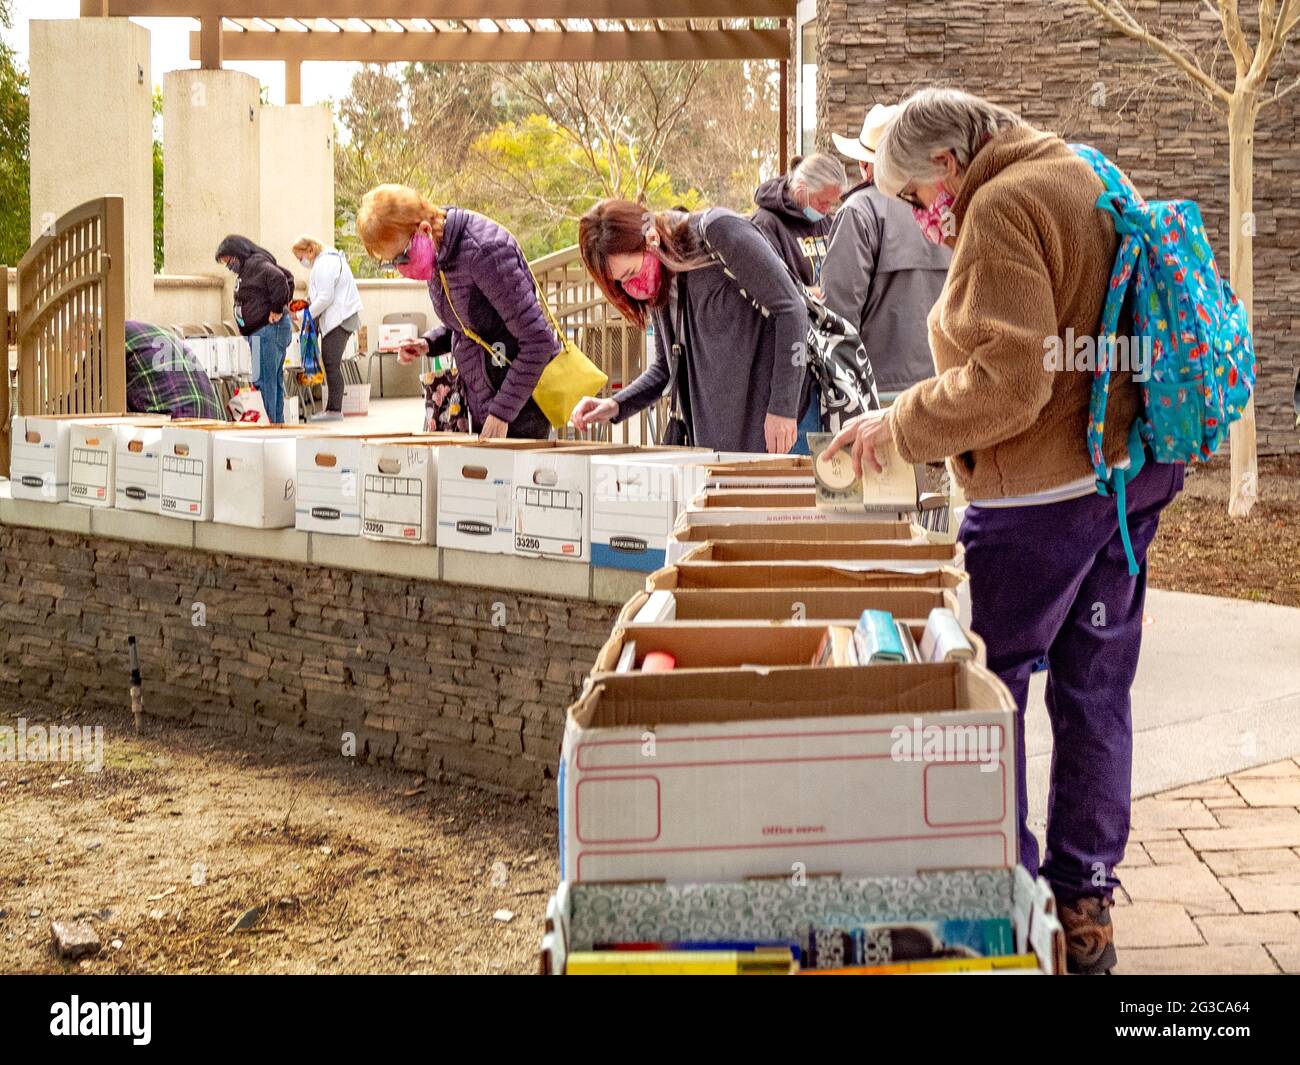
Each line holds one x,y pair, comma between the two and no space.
335,306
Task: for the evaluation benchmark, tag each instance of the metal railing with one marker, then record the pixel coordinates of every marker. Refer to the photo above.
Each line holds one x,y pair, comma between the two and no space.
72,314
594,324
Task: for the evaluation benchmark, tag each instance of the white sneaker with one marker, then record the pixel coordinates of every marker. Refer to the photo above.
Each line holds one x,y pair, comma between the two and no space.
327,416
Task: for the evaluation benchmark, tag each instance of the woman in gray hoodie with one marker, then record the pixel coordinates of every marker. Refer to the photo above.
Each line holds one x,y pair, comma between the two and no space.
742,329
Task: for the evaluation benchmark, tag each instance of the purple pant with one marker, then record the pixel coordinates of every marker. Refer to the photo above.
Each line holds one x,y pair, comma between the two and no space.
1052,581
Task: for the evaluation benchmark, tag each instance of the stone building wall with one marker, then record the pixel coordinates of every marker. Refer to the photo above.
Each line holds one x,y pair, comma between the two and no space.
1053,63
469,683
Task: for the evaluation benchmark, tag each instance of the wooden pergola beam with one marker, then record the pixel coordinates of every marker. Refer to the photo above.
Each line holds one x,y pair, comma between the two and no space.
549,47
445,9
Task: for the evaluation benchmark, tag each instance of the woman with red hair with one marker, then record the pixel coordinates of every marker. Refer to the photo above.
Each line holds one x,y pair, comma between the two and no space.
723,301
483,292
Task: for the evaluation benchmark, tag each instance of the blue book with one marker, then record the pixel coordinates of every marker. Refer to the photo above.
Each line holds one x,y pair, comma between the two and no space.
876,639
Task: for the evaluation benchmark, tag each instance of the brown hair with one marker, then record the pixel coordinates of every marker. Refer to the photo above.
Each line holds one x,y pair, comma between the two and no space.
620,227
392,212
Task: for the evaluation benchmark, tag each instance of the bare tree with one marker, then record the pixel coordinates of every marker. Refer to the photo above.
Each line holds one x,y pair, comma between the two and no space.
1241,102
621,116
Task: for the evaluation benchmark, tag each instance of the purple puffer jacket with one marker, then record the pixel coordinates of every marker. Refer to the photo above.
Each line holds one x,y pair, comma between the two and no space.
494,295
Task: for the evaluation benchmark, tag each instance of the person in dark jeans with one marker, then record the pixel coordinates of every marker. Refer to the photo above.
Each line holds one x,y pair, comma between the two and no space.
263,289
335,306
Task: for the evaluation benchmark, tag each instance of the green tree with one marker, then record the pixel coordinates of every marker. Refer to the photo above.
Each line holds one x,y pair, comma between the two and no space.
15,182
157,182
537,182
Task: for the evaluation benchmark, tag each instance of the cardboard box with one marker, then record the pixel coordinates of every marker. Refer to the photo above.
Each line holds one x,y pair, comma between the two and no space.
392,337
254,475
855,554
92,460
701,606
186,480
685,535
739,470
41,452
709,776
475,504
399,487
356,399
634,503
579,916
723,646
138,462
328,478
748,506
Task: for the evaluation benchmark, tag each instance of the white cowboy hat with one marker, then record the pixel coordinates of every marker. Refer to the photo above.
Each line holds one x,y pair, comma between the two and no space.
863,148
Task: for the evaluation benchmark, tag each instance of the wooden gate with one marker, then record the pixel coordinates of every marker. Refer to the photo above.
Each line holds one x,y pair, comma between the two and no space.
72,314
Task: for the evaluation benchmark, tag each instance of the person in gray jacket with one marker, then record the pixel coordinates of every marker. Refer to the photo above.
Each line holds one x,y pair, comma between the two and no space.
880,272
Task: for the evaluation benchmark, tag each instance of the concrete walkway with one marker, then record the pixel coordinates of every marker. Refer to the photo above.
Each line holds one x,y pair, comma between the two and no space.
1211,878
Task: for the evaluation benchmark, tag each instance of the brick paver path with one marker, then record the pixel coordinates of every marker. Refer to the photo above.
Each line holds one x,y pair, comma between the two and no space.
1211,880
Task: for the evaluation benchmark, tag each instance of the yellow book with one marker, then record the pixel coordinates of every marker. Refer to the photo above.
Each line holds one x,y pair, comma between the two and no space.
760,962
933,965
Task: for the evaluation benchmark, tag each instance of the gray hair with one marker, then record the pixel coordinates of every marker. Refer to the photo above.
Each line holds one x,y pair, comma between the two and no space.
818,171
932,121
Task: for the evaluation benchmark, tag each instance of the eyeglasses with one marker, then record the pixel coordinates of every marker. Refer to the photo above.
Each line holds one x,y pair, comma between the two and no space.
399,260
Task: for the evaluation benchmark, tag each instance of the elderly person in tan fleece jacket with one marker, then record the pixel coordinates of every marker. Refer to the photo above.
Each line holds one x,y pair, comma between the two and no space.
1031,262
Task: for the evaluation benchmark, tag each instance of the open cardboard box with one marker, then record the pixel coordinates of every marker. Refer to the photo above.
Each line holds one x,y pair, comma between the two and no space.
731,506
580,916
684,534
811,574
822,605
869,554
730,774
722,646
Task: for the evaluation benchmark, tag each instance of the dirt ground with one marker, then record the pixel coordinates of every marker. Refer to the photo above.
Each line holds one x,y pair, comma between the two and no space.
184,831
1200,549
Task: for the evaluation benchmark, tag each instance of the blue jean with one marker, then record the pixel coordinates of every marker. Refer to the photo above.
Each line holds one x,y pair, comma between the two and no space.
1052,580
811,422
270,344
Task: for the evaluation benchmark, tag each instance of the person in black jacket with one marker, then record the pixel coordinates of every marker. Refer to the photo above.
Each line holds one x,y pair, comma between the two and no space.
263,289
794,213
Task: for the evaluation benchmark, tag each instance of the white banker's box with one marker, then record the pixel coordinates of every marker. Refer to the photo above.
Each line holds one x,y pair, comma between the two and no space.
329,485
186,478
634,503
399,489
710,775
41,452
475,495
92,461
253,478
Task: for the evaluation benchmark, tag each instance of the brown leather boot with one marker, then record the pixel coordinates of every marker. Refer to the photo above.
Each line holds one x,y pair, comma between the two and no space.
1089,935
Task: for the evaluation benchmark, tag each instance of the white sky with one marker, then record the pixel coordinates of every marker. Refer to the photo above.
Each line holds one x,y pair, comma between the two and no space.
171,50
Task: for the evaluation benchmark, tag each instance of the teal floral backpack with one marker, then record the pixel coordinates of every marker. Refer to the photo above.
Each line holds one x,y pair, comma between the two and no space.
1195,360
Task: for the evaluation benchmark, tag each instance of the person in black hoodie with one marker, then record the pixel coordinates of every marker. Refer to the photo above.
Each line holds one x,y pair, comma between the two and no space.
263,289
794,213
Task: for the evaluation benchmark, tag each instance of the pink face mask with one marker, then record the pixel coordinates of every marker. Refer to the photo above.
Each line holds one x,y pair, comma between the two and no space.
419,258
936,221
645,285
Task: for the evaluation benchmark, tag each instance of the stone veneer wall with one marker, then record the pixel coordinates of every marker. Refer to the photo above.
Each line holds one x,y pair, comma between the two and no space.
470,683
1055,65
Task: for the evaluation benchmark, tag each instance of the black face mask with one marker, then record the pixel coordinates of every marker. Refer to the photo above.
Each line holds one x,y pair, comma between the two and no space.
233,266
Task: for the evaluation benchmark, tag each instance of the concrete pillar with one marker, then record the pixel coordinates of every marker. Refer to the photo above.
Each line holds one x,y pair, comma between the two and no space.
211,168
92,132
297,179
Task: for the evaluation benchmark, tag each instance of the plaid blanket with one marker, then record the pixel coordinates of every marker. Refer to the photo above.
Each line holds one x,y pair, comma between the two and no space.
163,376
